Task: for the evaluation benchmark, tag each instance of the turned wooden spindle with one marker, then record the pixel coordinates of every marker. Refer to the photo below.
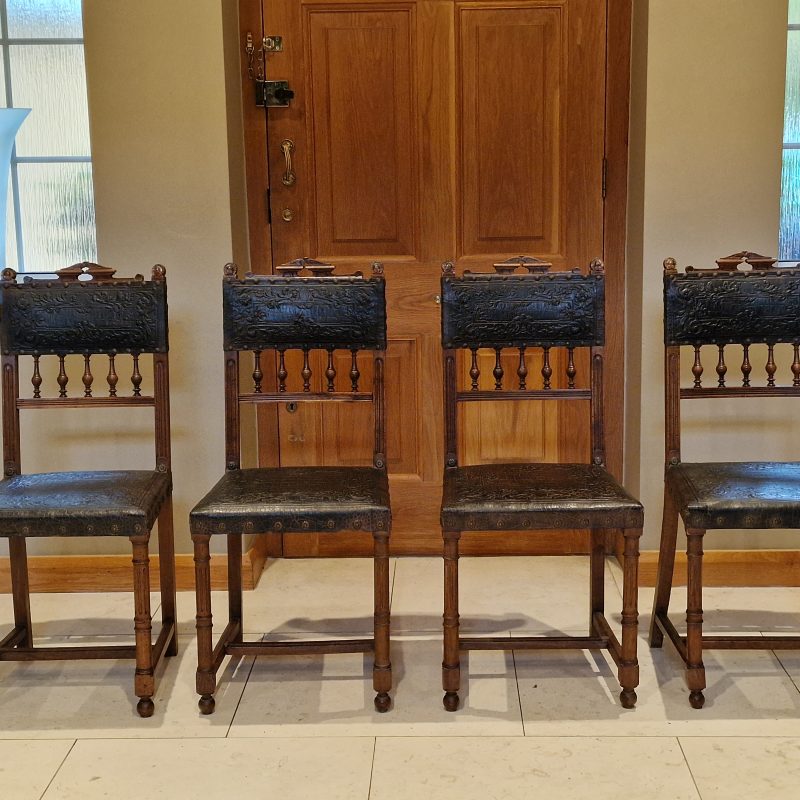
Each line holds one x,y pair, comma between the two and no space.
571,371
88,378
498,371
330,372
62,378
721,368
771,366
522,369
282,372
697,368
796,365
306,373
354,372
36,380
136,378
474,371
258,373
747,367
547,370
112,378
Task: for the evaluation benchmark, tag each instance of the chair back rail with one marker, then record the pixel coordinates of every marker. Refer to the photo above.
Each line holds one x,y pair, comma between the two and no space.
303,316
535,314
744,303
84,312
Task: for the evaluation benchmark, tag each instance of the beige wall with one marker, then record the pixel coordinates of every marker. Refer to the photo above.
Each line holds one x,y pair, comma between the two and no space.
706,136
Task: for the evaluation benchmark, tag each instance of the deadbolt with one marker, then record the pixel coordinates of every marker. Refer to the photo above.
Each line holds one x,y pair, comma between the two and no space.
287,214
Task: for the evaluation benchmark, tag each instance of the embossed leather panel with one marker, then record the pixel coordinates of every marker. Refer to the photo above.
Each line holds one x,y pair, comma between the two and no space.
519,496
737,495
112,503
295,499
274,312
550,310
745,307
75,317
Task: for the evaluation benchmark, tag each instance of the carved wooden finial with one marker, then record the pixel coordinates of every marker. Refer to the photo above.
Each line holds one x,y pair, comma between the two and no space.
159,272
8,275
448,268
670,266
597,267
85,271
377,268
230,270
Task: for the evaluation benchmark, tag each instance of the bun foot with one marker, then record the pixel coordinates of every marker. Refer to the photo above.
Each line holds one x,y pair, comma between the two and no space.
696,699
382,702
145,707
450,701
628,698
206,704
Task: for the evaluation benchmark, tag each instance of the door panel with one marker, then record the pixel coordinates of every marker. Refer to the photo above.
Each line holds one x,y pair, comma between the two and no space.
427,131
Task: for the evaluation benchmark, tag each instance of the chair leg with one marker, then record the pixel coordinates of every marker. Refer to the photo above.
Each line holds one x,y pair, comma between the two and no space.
166,569
695,671
382,667
666,566
20,589
235,599
144,684
206,675
597,565
451,667
629,664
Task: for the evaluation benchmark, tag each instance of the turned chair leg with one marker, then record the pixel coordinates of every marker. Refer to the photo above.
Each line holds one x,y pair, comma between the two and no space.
20,589
666,566
382,666
695,670
166,570
451,667
235,599
144,683
629,665
597,565
206,675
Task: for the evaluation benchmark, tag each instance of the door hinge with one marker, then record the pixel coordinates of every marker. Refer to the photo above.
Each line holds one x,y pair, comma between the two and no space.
605,176
269,207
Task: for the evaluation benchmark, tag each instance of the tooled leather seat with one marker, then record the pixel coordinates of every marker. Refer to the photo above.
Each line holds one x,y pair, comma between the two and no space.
293,499
117,502
523,496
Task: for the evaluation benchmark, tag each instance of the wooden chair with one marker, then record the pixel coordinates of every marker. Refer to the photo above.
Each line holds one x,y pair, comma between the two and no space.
545,311
281,314
717,308
88,313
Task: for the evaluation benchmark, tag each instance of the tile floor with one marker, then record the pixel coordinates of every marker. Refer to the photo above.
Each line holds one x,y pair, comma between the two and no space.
544,724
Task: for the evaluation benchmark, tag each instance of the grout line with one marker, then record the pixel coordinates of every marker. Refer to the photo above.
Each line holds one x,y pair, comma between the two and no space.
58,769
516,683
372,766
688,766
241,696
391,591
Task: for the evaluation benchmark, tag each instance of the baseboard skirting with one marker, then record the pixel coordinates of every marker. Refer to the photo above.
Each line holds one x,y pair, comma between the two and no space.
114,573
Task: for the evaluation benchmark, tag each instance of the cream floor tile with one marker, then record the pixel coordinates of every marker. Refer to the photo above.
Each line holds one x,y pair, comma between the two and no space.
520,769
332,695
567,693
27,767
514,593
81,613
334,769
295,595
744,768
95,699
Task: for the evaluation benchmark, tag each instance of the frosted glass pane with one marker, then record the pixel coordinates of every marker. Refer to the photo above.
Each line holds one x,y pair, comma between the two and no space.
51,79
789,245
794,12
57,205
791,128
45,19
11,232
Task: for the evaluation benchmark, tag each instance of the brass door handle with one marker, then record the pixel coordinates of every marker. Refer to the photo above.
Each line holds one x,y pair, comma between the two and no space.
287,146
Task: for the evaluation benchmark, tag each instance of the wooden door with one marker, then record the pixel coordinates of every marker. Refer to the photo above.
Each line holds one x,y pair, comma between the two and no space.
425,131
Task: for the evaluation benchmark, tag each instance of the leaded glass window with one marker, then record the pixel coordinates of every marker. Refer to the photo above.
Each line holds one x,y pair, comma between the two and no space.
789,244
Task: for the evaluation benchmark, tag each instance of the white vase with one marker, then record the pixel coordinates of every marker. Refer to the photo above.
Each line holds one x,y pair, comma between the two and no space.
10,121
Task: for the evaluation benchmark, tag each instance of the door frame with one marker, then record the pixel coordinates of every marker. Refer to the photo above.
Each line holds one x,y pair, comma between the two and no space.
618,81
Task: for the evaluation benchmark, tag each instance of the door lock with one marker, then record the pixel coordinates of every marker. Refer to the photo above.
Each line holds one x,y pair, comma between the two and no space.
273,94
